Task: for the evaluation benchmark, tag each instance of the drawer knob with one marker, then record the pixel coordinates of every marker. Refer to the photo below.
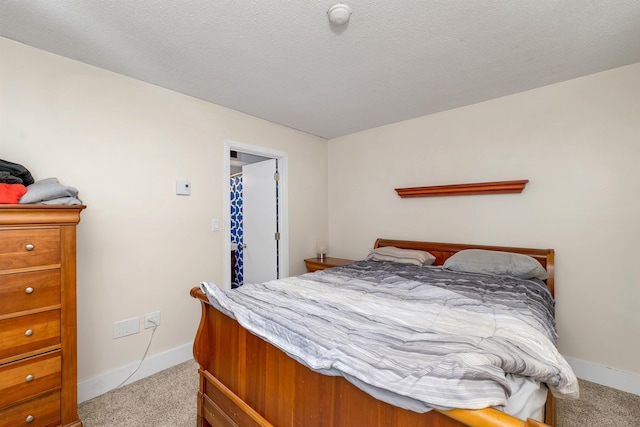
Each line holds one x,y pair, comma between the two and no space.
29,419
29,290
29,378
28,332
29,247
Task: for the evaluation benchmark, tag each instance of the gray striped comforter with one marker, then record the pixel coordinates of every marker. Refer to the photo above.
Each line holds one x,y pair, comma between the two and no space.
415,337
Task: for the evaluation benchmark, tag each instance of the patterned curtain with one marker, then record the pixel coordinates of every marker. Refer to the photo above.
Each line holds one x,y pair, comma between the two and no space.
236,225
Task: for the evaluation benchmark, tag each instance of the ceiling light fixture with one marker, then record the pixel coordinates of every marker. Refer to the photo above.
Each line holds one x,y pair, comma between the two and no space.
339,13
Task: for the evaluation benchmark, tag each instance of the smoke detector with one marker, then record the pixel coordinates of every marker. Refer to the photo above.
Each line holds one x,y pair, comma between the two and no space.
339,13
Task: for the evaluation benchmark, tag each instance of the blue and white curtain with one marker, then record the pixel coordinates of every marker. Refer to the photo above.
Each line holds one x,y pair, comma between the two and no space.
236,225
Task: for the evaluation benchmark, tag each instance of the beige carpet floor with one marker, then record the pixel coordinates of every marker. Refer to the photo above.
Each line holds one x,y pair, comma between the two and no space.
168,399
599,406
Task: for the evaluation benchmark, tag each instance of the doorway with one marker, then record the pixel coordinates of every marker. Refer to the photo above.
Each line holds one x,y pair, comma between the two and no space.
274,258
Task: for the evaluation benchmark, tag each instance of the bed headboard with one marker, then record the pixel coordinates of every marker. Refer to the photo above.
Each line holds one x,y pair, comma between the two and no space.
442,251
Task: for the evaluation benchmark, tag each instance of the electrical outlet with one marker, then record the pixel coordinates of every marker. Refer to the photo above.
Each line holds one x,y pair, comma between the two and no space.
152,320
126,327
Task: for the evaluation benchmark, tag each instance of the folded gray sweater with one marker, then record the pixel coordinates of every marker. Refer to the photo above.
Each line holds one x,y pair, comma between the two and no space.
48,190
62,201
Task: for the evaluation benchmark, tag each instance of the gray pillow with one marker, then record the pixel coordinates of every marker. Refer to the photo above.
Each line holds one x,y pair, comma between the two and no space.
496,262
404,256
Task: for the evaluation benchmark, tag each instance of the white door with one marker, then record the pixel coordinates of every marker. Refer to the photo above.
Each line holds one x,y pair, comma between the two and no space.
260,253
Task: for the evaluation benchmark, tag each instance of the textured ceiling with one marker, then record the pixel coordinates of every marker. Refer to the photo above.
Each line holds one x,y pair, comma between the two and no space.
283,61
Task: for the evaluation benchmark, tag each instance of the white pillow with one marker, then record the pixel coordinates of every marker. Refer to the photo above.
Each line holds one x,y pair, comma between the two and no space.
404,256
496,262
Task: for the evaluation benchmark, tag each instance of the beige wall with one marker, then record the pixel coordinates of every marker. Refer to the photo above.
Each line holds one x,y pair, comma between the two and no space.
578,143
123,143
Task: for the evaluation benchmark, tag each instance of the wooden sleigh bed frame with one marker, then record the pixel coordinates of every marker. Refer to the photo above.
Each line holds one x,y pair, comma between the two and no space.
245,381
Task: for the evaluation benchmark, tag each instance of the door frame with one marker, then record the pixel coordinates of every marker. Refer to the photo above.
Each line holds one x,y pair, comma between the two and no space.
283,204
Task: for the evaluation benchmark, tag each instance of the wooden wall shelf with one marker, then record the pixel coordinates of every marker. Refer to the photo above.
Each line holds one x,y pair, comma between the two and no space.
498,187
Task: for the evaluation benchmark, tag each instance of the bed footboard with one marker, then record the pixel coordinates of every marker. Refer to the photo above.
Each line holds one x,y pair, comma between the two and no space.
220,406
245,381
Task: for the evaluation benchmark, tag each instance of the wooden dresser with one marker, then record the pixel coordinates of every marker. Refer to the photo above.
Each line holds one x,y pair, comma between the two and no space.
38,350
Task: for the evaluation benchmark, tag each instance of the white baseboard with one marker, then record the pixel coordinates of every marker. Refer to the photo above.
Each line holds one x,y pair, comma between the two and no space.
610,377
101,384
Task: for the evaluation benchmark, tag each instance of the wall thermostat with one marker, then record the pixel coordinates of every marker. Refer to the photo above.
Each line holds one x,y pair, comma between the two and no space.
183,188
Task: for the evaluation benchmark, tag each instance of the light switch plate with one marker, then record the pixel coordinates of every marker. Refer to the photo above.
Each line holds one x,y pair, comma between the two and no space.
126,327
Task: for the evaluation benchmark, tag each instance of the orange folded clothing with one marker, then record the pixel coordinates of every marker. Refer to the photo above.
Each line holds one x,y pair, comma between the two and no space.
11,193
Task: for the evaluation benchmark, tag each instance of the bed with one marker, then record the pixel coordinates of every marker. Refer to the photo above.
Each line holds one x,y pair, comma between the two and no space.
247,381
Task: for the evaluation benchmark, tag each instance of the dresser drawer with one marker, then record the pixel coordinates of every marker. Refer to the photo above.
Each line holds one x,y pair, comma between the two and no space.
28,333
42,411
29,248
29,377
26,291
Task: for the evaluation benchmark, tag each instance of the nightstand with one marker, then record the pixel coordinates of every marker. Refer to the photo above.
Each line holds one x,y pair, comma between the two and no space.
315,264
